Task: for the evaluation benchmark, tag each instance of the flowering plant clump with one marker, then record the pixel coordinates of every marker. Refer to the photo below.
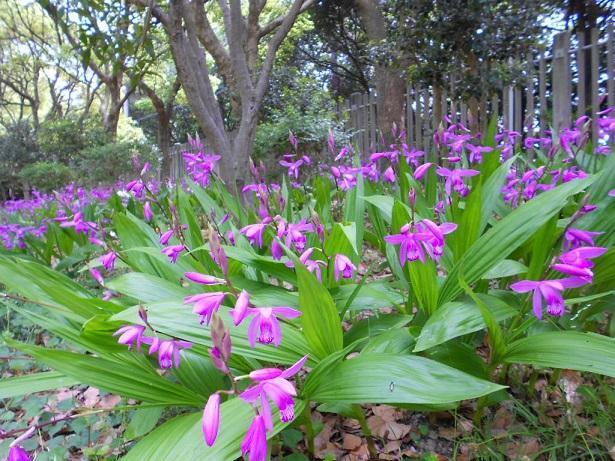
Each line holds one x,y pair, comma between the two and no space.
247,311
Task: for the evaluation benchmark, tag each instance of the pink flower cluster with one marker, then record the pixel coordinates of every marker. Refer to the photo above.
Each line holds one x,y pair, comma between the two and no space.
576,263
424,238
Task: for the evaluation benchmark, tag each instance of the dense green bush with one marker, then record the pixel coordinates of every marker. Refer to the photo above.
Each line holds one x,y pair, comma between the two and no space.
109,162
18,147
46,176
62,139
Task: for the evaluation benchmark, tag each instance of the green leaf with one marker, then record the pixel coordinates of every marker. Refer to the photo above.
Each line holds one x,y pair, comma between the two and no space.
373,326
459,318
263,263
496,337
133,234
181,438
505,268
461,356
147,288
114,376
491,193
142,422
175,319
508,235
384,203
567,350
370,296
320,319
354,210
34,382
343,239
394,378
199,374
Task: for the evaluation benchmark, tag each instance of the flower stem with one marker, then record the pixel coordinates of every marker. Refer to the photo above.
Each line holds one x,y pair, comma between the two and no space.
360,415
309,428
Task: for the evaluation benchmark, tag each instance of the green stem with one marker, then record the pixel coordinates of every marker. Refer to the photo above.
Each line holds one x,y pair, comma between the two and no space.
309,428
371,446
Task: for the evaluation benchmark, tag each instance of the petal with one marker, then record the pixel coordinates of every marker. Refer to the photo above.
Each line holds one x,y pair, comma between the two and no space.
287,312
524,286
292,371
537,303
572,282
253,330
211,419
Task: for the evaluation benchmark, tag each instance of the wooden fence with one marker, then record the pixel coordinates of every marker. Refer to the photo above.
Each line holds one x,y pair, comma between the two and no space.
574,78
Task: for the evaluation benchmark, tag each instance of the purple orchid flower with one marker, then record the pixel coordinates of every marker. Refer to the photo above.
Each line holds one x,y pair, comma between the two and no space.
389,175
581,256
108,260
203,279
428,237
255,232
422,170
255,441
168,351
550,291
206,304
272,384
476,152
96,275
293,167
265,326
17,453
343,267
574,238
164,238
200,166
131,335
454,180
410,244
211,419
148,214
313,266
173,252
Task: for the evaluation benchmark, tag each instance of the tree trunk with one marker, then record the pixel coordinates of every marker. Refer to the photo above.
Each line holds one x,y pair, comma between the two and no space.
390,87
390,79
164,142
111,107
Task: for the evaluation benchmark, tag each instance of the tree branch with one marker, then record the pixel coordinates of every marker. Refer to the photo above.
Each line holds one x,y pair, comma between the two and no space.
275,23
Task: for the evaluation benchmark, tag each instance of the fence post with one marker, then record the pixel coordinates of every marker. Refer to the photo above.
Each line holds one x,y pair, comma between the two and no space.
542,92
562,85
580,64
595,79
610,64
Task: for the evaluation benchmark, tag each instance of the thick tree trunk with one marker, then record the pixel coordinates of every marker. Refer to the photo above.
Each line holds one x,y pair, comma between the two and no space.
111,107
390,87
390,79
164,142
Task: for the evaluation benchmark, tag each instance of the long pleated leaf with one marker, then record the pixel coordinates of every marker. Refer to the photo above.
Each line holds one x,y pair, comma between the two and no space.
566,349
507,235
394,378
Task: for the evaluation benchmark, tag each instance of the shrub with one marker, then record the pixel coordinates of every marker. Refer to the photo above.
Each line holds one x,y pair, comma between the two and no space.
61,140
46,176
113,161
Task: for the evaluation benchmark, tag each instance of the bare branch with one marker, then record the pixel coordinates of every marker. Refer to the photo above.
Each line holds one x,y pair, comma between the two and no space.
272,48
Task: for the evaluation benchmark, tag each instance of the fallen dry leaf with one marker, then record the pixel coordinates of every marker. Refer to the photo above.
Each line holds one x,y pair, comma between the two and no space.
109,401
525,449
387,429
351,442
90,396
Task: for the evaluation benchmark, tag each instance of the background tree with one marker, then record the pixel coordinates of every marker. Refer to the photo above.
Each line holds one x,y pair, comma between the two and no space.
239,60
110,36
